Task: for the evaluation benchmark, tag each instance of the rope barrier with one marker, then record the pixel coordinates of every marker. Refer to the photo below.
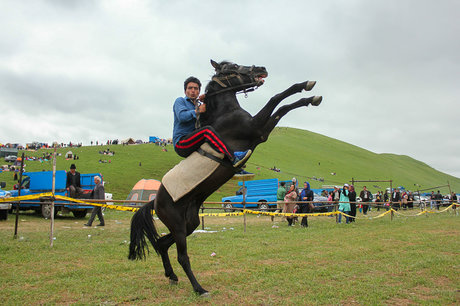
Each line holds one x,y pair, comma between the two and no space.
49,196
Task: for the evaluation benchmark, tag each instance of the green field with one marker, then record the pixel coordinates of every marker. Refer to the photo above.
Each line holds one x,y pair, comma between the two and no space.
409,260
406,261
298,153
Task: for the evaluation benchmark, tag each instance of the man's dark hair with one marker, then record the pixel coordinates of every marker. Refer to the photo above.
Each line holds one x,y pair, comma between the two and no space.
192,79
282,183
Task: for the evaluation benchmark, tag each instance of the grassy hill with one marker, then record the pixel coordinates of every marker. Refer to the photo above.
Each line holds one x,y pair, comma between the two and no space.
297,153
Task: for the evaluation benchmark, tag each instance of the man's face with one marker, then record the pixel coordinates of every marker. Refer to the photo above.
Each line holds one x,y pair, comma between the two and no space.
192,91
305,185
72,171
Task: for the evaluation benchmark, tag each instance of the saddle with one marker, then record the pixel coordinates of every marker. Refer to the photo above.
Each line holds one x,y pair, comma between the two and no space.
190,172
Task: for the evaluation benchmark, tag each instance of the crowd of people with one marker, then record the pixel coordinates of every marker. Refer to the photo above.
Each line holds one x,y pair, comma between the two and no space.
349,202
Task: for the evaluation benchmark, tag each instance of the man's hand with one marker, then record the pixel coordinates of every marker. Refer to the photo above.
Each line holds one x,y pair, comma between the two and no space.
201,108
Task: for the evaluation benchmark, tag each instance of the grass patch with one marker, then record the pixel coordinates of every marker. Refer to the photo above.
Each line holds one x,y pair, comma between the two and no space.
404,261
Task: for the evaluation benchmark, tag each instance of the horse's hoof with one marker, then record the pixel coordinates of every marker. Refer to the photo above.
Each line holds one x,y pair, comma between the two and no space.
316,100
310,85
205,294
173,282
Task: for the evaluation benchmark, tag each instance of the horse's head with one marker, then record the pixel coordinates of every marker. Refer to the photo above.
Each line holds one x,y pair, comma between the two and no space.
233,77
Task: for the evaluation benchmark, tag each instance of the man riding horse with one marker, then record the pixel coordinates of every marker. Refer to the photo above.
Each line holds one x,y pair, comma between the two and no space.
236,128
188,137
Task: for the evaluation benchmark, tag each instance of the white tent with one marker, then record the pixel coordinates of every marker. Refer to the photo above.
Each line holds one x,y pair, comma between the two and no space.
69,154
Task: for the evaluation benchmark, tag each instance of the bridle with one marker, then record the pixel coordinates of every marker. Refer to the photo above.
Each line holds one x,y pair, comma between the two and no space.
224,81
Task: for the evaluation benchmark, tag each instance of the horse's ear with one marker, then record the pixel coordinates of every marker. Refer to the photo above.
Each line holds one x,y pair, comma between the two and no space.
215,65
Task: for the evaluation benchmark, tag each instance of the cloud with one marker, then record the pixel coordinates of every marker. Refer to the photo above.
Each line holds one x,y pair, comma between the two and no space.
86,70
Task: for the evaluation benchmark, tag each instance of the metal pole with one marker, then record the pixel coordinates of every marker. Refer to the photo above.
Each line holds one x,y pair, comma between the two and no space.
19,194
52,202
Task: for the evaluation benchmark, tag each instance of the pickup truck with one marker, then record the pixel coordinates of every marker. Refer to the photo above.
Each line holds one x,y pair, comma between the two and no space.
40,182
4,207
262,191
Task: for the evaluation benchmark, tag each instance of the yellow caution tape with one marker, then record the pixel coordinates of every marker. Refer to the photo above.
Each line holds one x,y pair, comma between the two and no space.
245,211
221,214
27,197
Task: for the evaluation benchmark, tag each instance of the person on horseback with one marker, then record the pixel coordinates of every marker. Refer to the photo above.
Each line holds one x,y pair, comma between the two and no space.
188,137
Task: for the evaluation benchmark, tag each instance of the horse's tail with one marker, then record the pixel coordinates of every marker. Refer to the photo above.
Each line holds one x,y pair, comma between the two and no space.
142,226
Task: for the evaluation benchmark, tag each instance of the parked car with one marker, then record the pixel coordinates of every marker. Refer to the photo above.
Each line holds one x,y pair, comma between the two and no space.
11,158
4,207
264,191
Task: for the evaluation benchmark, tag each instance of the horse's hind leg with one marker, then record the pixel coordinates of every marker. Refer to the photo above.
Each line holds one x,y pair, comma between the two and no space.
164,243
182,257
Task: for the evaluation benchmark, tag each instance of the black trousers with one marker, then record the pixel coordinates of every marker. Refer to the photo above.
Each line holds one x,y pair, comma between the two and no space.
97,210
365,207
352,212
191,142
304,209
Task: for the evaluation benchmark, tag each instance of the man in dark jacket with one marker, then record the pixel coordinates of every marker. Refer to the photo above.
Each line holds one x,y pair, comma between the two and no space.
438,198
395,199
98,193
306,195
365,196
73,185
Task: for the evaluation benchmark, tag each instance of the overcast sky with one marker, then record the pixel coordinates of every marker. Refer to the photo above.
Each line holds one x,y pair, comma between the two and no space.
97,70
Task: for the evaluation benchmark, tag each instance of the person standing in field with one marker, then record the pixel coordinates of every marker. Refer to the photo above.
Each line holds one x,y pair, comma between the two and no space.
352,198
280,193
454,201
98,193
365,196
344,203
306,195
290,198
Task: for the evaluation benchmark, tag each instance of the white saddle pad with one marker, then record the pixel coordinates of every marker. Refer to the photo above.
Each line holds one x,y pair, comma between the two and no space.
190,172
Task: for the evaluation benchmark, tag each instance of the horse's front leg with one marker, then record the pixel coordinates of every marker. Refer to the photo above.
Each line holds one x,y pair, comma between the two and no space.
264,114
283,110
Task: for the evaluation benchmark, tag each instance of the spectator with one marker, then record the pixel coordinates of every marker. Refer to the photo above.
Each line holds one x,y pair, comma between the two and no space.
336,195
290,198
73,184
404,197
330,202
433,200
386,199
395,199
378,200
438,198
98,193
454,200
306,195
365,196
280,198
410,200
344,203
352,198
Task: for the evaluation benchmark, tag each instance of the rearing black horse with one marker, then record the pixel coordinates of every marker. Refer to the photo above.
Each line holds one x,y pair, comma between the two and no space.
240,131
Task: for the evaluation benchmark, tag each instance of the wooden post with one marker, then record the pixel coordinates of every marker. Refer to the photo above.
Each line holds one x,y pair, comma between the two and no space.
52,201
19,194
202,218
244,205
